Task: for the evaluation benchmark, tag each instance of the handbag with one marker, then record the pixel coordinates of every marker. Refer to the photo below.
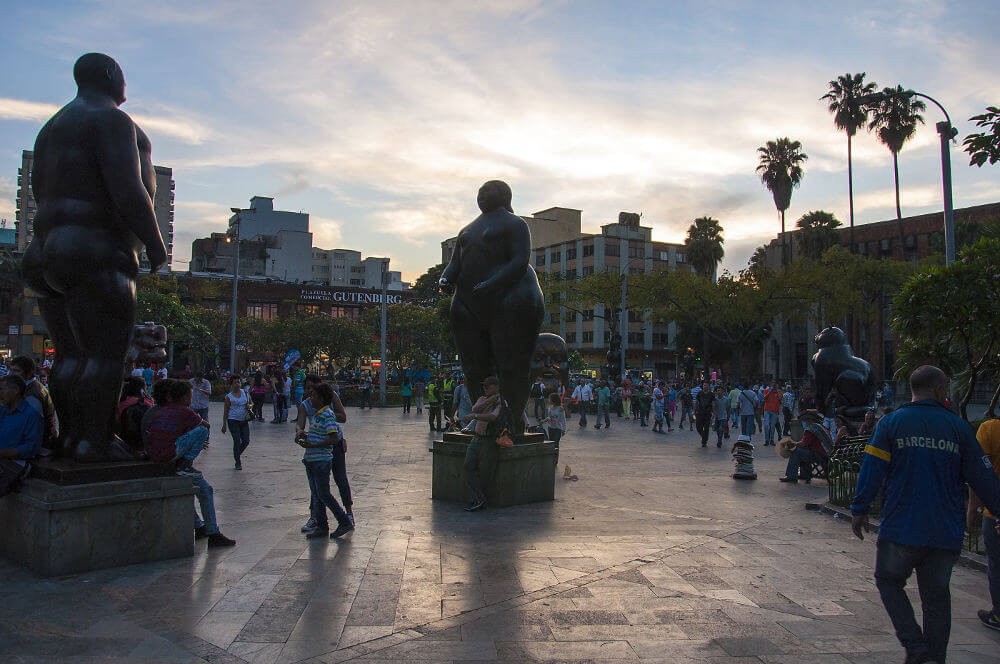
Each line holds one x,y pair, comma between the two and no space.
505,425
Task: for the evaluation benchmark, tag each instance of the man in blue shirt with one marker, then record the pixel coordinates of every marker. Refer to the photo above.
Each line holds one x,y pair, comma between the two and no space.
21,426
924,454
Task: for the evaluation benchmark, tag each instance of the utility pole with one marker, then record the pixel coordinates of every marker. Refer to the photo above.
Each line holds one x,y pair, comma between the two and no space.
947,133
381,378
624,321
234,221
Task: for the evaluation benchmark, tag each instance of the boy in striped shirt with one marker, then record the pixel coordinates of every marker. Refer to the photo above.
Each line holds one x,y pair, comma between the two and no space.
324,434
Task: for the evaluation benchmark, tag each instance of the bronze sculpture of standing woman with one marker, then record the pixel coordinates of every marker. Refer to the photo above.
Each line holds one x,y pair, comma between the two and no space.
497,308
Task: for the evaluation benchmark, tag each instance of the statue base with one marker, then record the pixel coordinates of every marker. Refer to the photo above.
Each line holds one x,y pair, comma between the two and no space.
525,473
57,529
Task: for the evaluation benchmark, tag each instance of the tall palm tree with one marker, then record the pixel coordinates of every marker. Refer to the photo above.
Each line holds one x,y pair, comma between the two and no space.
704,245
849,115
780,170
817,233
894,121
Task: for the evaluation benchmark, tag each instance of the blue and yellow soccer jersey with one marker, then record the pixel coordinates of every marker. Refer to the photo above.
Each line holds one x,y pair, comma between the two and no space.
925,455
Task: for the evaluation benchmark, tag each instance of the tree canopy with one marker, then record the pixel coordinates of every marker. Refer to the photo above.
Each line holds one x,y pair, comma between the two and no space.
817,233
985,145
704,245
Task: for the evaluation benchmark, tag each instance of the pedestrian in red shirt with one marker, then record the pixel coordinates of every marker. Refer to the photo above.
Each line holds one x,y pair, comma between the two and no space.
772,406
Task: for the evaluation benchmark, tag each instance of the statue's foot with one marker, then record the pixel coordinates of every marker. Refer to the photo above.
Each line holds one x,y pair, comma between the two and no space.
114,450
64,446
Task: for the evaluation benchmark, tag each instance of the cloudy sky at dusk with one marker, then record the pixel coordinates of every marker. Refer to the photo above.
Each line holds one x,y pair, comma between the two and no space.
381,119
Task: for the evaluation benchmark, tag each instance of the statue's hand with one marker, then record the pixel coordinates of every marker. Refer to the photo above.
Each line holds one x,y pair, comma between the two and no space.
157,256
446,286
480,287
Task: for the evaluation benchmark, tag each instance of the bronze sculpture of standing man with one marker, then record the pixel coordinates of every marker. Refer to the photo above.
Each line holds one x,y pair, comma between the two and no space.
93,181
497,308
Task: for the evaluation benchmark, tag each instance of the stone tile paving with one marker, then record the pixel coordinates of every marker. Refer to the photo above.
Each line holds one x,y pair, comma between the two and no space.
654,555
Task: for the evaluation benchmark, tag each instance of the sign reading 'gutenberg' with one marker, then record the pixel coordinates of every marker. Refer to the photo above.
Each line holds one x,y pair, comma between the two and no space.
349,297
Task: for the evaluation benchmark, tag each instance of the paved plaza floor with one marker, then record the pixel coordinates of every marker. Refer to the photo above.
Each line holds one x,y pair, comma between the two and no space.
655,554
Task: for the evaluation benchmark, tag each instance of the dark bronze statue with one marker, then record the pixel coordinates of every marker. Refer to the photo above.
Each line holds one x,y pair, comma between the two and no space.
550,361
93,181
149,344
497,308
835,365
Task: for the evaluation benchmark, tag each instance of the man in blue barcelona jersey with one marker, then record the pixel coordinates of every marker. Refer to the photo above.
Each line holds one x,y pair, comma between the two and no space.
924,455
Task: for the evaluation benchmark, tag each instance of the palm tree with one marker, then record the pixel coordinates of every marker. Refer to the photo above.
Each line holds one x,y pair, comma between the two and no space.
895,120
780,170
849,115
704,245
817,233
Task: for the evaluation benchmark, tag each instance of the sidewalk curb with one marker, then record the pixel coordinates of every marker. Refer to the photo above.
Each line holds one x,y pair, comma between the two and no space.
966,558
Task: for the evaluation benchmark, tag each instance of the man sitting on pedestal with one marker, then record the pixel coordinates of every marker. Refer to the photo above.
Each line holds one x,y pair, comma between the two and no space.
38,398
481,456
20,431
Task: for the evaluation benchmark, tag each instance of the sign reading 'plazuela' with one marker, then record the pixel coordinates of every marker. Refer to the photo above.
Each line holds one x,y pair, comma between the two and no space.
347,297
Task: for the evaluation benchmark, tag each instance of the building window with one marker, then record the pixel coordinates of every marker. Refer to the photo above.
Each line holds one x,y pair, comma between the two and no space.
357,282
588,337
262,311
911,241
570,316
557,256
310,309
571,274
664,256
661,338
588,250
344,312
588,270
571,337
358,269
636,252
862,248
554,317
634,316
571,254
539,259
612,249
635,338
680,257
636,270
588,314
323,269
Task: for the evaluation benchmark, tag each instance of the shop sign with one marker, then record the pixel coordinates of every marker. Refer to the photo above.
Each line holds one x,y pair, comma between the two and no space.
347,297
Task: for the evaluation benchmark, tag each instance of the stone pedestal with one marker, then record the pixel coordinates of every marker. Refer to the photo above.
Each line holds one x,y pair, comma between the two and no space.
525,473
56,529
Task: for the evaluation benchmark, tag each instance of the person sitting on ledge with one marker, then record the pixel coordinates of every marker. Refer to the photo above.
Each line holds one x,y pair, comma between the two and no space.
481,455
174,432
809,450
38,398
21,425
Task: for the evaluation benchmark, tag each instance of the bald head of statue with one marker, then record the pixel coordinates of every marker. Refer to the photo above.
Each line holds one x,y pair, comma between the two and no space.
495,194
96,72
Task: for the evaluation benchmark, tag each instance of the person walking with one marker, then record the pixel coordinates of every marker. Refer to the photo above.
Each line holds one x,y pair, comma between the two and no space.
555,421
258,394
989,438
659,406
434,406
236,415
747,408
584,396
687,408
419,388
734,406
303,420
366,393
406,390
324,435
627,399
771,408
721,413
537,395
603,405
201,390
704,406
286,395
787,409
921,455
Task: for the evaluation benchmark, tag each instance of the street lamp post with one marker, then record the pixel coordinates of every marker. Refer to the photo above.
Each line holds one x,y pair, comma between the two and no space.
234,222
947,132
381,378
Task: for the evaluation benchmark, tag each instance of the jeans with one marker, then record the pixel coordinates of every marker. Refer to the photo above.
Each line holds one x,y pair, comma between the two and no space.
787,424
284,408
602,411
583,412
643,414
240,431
686,413
893,565
406,404
205,495
770,424
720,428
366,399
434,415
703,422
202,413
830,424
258,406
318,476
339,469
734,416
800,463
992,542
480,462
420,403
746,425
276,407
555,435
539,408
297,396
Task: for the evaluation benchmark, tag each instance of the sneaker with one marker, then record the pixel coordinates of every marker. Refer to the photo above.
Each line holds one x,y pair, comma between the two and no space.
239,466
218,539
200,533
310,524
718,444
341,530
789,480
350,517
475,506
317,532
989,619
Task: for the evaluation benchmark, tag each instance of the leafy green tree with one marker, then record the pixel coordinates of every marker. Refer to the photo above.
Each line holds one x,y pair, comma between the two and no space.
894,121
780,169
703,245
849,115
984,146
817,233
425,289
943,315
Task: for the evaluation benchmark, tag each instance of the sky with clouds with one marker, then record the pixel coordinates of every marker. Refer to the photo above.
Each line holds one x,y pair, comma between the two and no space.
381,119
